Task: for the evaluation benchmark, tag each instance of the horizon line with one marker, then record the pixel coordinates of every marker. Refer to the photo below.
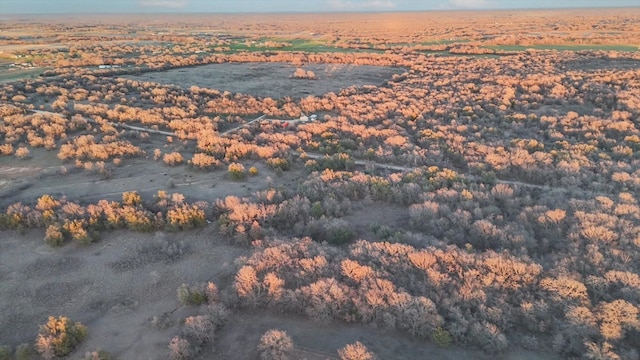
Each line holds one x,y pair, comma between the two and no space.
360,11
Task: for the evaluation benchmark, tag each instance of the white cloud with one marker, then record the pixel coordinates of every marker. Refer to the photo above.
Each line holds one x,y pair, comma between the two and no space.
173,4
361,4
471,4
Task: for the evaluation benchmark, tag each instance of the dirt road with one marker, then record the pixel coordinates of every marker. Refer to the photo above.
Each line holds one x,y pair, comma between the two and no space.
310,155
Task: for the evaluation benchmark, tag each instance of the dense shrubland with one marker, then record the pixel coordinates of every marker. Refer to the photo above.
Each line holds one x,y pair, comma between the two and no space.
568,128
516,178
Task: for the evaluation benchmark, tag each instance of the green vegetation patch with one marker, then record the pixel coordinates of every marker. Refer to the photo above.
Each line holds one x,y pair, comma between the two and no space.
566,47
303,45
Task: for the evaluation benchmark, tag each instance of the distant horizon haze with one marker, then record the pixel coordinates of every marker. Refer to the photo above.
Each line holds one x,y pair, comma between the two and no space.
46,7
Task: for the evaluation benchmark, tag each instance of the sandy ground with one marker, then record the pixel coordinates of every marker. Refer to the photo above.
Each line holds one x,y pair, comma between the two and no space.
26,180
322,340
272,79
117,297
103,288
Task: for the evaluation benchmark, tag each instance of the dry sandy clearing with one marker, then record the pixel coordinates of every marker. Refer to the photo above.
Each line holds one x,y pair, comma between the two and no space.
272,79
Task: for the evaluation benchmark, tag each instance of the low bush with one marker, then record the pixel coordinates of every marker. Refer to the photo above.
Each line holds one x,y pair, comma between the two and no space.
22,153
192,295
180,349
5,352
97,355
204,161
275,345
442,337
54,236
236,171
24,352
172,159
59,337
355,351
279,163
331,230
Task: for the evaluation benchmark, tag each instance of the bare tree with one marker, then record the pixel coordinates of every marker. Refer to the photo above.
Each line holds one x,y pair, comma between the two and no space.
275,345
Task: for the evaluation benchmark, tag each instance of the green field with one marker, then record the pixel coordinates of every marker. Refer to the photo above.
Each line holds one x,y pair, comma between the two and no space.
13,75
305,45
563,47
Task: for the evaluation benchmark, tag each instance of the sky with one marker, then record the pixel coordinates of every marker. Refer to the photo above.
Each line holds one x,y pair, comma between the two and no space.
223,6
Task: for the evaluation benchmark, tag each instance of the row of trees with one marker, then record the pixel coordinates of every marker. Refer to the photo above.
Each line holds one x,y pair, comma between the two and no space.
66,220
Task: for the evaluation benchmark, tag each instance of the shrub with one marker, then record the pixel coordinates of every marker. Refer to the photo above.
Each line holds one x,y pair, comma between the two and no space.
355,351
253,171
199,329
236,171
131,198
192,295
22,153
77,230
179,349
172,159
24,352
334,231
97,355
246,282
278,163
161,322
304,74
218,314
5,352
6,149
204,161
59,337
54,236
442,337
212,293
47,202
185,216
275,345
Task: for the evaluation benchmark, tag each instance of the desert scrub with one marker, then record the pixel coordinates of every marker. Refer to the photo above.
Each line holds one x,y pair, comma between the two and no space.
24,352
149,253
192,295
442,337
279,163
161,322
59,337
77,230
22,153
54,236
199,330
275,345
236,171
332,230
253,171
172,159
355,351
6,149
180,349
5,352
204,161
185,216
131,198
97,355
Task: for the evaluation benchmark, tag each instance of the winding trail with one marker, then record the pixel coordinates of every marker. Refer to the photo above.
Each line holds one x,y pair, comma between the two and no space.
310,155
375,164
